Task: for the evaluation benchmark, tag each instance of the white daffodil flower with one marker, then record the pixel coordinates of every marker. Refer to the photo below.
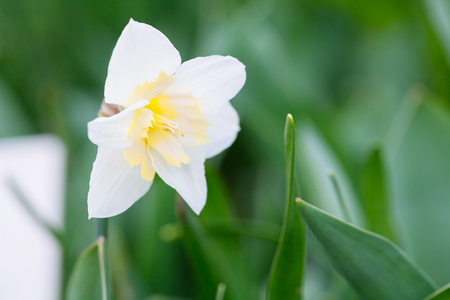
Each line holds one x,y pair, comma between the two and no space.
172,116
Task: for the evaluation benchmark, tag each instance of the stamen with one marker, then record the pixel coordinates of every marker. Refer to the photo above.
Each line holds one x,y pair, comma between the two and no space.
177,133
165,121
168,125
165,127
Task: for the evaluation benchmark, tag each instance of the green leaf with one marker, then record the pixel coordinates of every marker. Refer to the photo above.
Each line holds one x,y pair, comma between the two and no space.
288,263
88,278
375,267
441,294
375,201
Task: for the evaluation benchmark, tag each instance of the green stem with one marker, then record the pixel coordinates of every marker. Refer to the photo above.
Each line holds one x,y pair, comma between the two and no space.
101,232
101,227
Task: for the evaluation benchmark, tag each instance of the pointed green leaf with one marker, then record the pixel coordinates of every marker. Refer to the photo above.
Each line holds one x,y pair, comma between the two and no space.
375,267
88,278
375,195
288,263
441,294
289,154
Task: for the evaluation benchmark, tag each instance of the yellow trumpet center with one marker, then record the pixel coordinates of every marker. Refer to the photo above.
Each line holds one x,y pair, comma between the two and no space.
158,125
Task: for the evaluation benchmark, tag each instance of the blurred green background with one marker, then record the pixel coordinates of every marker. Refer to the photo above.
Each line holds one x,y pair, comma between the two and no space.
352,73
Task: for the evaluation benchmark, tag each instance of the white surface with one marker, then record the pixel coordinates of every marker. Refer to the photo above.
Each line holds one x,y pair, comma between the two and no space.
30,258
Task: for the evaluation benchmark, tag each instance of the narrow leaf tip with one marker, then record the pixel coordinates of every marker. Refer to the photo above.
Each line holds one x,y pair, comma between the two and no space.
290,118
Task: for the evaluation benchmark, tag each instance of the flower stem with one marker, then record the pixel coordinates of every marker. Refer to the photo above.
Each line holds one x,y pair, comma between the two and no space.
101,226
101,233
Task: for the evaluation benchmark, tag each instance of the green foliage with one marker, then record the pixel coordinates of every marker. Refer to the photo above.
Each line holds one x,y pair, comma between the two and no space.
215,258
374,266
140,236
350,72
286,275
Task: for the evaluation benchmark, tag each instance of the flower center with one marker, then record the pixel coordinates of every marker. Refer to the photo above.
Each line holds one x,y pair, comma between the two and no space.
163,115
157,115
168,123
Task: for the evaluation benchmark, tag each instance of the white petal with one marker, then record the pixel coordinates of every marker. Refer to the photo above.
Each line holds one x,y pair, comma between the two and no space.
112,132
214,80
223,130
114,184
189,180
141,53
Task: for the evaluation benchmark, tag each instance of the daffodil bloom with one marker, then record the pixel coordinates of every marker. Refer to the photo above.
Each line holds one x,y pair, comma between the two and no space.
171,117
